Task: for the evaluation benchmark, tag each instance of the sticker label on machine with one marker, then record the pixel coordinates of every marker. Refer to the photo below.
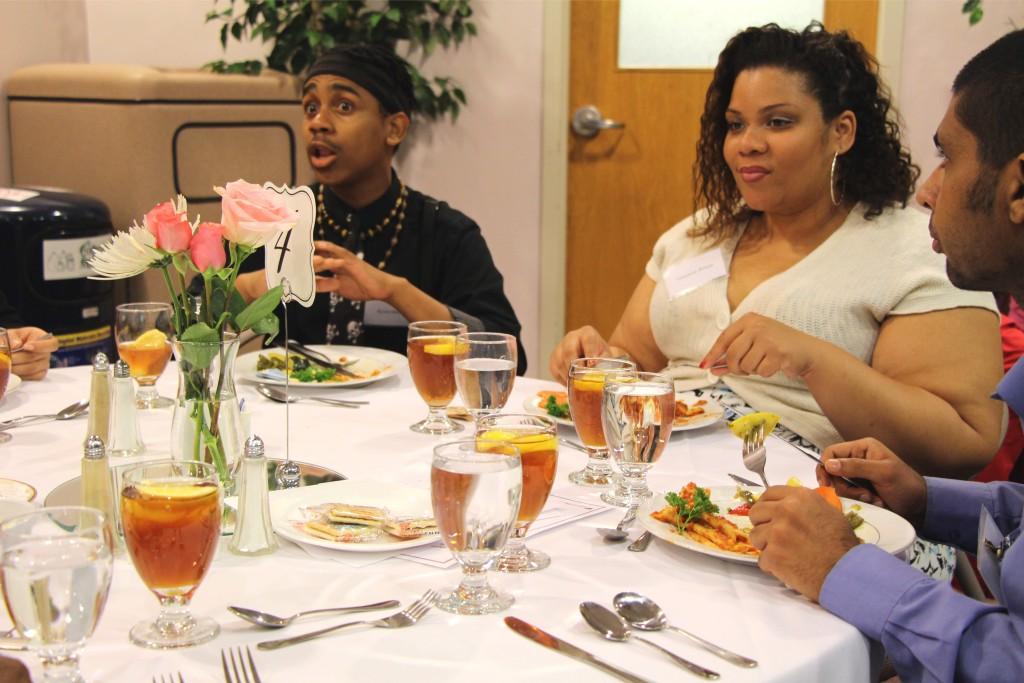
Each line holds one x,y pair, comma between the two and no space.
68,259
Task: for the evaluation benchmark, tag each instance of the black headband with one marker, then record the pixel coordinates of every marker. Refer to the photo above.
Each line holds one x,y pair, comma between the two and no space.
366,72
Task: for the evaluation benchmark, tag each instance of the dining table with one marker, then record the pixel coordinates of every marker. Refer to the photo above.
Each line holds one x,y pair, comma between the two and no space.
734,605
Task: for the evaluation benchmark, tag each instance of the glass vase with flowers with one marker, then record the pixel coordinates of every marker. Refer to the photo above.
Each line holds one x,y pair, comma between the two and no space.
206,326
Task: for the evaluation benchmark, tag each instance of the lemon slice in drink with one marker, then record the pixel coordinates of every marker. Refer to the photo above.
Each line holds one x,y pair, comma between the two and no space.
743,426
178,491
152,339
590,381
447,347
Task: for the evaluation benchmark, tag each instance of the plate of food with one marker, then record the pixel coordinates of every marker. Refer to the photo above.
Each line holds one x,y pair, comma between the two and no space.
357,516
367,364
713,521
693,410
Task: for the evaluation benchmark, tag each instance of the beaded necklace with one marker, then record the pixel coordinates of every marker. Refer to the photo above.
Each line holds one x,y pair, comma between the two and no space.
397,214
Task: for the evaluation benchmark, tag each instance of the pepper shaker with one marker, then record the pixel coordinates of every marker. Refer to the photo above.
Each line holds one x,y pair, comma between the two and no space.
124,423
254,534
99,398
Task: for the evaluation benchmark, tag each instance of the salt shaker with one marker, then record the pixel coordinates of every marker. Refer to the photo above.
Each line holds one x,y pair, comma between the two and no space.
96,486
253,532
99,398
124,423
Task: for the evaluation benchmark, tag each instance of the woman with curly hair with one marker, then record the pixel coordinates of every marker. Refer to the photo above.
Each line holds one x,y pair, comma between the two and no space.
821,299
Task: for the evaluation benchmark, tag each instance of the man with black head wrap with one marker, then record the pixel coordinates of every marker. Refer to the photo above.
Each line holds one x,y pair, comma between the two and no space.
393,254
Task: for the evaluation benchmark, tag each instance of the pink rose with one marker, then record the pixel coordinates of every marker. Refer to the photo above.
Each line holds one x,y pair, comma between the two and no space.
207,249
252,215
169,226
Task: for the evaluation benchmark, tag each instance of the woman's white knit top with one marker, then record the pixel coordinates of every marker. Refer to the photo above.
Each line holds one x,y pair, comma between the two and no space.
841,292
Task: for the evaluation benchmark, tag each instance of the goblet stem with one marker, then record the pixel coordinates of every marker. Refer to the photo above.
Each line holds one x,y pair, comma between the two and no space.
174,620
61,668
437,422
148,398
630,487
597,473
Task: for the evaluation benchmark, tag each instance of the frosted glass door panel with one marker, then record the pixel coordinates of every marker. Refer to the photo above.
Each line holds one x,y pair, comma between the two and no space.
689,34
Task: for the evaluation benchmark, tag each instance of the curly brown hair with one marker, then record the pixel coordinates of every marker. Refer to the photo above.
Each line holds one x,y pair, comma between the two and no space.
841,76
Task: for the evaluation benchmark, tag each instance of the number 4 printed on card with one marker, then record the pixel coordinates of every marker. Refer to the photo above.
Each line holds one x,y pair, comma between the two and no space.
289,256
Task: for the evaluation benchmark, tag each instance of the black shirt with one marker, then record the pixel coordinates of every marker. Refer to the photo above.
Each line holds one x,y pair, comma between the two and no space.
440,250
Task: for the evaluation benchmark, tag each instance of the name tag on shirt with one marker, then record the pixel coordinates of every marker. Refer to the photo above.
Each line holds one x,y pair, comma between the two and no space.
684,277
382,314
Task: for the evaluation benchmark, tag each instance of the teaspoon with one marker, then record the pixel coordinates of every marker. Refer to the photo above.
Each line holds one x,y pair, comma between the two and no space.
66,413
612,627
275,394
267,620
643,613
621,531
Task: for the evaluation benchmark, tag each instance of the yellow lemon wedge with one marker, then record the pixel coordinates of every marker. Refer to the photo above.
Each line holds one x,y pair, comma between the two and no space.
794,481
590,381
5,360
445,347
152,339
742,426
526,443
178,491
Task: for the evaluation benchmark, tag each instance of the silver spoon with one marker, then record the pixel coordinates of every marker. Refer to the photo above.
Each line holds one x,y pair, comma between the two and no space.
275,394
643,613
621,531
613,627
267,620
66,413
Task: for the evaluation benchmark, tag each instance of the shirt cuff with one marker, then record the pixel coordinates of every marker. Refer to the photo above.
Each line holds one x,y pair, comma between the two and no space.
472,323
952,511
864,587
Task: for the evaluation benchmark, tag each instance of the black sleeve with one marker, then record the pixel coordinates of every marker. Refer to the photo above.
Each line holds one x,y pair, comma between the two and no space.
9,316
468,279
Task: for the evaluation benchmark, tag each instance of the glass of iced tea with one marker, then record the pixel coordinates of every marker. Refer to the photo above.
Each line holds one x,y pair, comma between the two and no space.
485,370
475,493
144,333
170,513
536,437
586,384
6,365
57,564
431,350
637,415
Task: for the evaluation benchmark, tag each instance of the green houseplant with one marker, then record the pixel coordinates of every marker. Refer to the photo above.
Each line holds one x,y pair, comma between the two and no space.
300,30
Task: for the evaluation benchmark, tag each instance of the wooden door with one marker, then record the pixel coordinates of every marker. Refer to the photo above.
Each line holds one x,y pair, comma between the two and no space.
628,186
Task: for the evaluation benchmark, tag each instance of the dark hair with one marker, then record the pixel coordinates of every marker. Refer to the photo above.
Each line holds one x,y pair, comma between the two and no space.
990,90
376,68
841,76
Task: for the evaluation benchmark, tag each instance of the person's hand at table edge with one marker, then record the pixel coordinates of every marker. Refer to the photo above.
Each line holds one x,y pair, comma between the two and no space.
32,357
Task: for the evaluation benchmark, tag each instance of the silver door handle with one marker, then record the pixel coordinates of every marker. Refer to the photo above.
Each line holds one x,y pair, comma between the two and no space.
587,121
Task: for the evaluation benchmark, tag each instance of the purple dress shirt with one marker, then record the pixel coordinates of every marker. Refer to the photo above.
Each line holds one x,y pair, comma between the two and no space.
931,632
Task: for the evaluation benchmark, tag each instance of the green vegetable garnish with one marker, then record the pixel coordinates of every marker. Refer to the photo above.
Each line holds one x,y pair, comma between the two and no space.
687,511
556,409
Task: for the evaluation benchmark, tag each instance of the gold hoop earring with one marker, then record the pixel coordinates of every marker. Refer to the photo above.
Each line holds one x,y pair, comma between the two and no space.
832,182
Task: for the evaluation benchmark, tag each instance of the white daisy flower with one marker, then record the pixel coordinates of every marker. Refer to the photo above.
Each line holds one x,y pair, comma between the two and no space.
128,253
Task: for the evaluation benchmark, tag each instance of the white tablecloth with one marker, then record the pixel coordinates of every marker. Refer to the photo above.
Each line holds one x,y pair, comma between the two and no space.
734,605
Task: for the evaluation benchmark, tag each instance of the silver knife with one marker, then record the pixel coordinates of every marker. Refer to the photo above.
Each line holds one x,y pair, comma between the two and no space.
744,482
318,358
547,640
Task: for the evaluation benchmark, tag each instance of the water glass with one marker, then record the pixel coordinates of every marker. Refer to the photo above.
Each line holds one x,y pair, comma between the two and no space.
170,513
431,350
637,415
536,437
56,575
485,370
6,368
475,494
586,384
144,332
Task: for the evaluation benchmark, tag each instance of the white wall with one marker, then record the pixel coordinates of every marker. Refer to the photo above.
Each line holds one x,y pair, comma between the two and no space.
937,41
487,164
31,32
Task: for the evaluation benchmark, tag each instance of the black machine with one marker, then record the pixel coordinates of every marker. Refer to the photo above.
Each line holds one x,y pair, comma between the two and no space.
47,238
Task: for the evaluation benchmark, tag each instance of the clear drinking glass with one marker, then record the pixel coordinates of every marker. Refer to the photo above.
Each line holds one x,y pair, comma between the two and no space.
586,383
431,351
637,415
6,368
536,437
56,576
170,513
144,333
475,493
485,370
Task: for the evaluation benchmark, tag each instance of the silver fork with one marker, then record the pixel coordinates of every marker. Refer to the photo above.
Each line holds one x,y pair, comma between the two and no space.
754,455
241,668
407,617
171,679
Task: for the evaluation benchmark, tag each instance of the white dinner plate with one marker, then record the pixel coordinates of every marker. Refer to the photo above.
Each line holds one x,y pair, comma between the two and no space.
713,412
386,362
400,500
887,530
13,382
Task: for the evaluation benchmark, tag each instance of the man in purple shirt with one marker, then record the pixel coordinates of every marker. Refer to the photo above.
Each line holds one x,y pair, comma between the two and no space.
931,632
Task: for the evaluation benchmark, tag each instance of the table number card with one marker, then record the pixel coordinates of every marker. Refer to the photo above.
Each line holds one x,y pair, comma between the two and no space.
289,256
